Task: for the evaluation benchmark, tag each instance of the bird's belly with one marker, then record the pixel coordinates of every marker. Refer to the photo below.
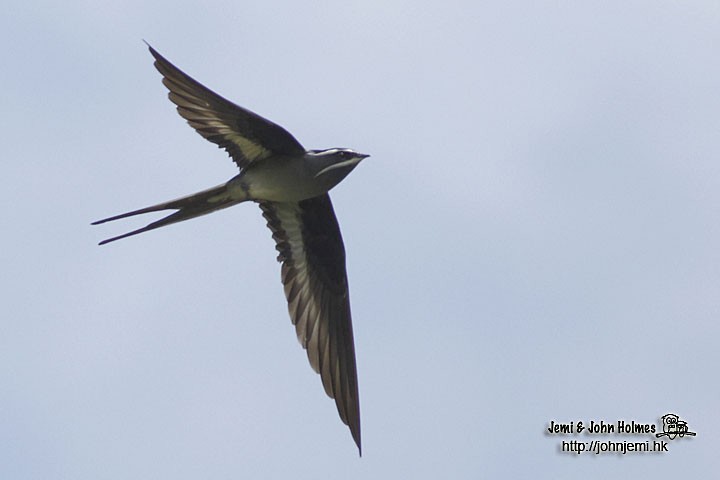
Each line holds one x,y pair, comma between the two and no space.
283,184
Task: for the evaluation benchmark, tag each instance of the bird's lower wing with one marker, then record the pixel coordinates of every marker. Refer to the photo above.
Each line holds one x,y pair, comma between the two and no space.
311,249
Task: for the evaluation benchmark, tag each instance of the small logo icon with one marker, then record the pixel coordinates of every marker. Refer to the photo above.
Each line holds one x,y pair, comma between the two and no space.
674,427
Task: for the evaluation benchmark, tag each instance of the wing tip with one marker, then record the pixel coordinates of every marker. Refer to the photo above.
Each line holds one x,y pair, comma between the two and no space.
152,50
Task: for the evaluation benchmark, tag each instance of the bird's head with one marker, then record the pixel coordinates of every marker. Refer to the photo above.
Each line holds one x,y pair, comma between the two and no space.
333,164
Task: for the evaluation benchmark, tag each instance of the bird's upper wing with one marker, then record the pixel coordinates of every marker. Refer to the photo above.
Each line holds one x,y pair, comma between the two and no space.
311,249
246,136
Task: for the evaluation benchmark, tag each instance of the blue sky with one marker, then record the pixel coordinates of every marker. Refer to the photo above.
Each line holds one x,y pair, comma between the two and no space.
534,238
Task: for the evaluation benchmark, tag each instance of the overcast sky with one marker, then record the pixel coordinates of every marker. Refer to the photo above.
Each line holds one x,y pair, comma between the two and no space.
534,238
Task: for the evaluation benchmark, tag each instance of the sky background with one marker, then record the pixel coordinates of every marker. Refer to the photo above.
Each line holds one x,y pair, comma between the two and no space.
534,238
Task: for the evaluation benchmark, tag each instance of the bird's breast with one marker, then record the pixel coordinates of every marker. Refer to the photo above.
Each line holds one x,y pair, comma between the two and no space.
281,180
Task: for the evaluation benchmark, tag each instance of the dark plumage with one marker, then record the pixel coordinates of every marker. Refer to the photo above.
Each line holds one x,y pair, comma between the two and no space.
290,184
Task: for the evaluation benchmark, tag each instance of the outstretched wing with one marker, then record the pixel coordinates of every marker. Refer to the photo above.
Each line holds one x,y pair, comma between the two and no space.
311,249
246,136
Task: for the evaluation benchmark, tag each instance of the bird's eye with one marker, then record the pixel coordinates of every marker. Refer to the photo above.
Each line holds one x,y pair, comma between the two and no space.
344,154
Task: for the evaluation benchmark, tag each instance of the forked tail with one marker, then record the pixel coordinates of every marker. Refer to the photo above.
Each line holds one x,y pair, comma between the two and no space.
192,206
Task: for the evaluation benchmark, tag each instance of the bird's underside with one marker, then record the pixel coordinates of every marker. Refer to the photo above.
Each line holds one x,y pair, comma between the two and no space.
306,233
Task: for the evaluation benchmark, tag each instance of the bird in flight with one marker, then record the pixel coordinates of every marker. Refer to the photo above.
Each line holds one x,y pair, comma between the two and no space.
291,186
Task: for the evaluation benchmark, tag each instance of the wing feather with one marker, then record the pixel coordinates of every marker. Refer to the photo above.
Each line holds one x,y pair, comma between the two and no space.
311,250
246,136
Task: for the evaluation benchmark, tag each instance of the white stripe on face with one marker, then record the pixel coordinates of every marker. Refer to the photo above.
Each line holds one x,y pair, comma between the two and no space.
330,151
